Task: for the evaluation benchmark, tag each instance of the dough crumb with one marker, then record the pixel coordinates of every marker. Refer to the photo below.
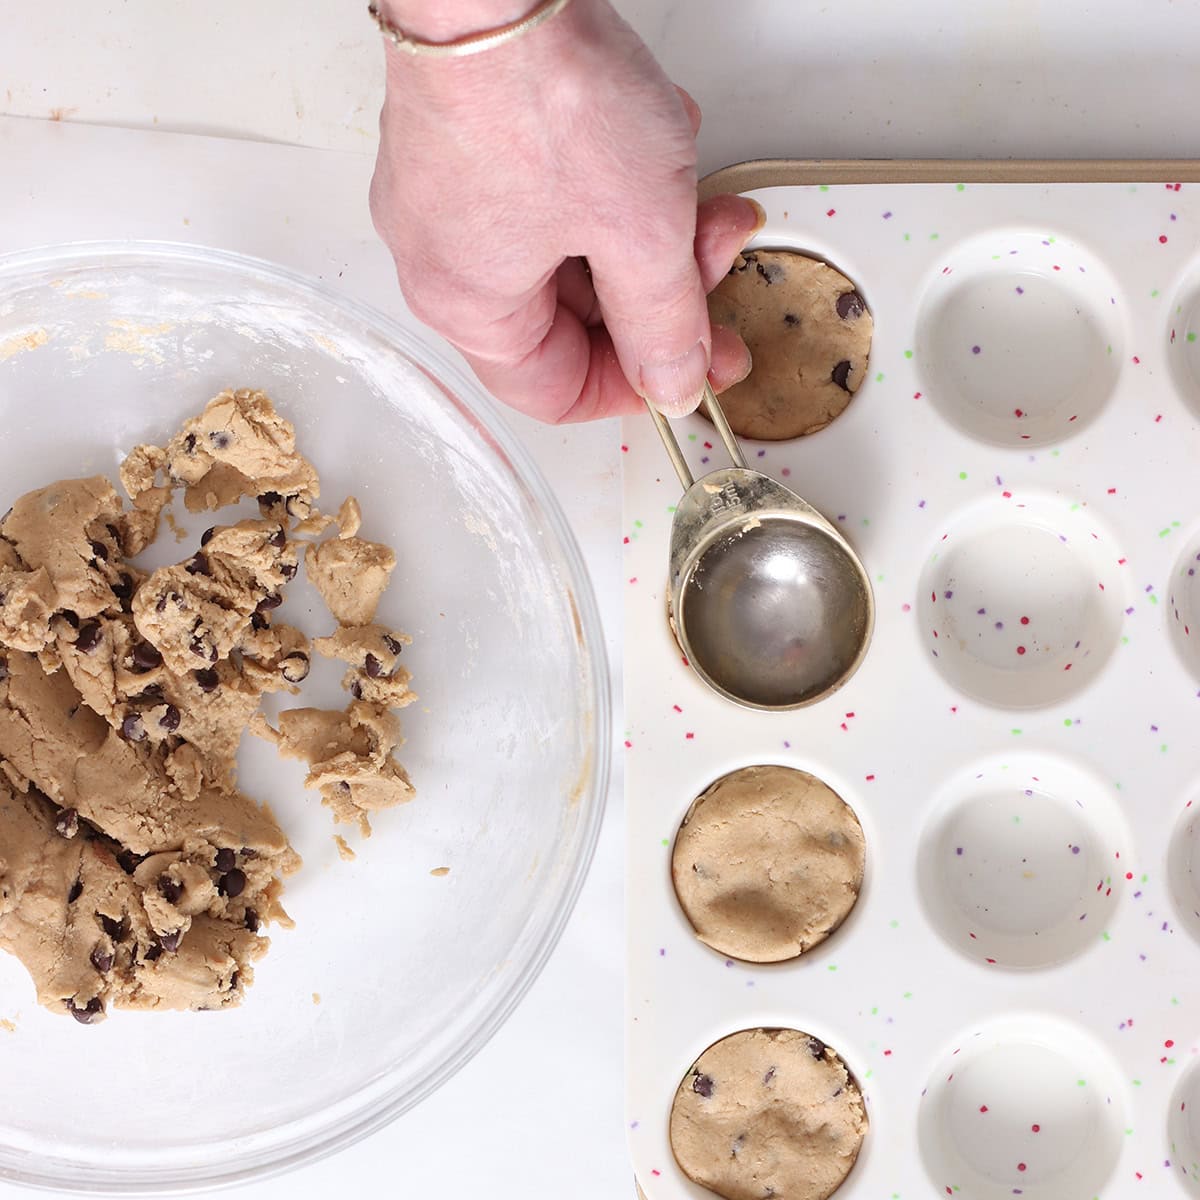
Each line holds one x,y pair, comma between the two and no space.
7,1025
344,849
351,575
440,872
316,997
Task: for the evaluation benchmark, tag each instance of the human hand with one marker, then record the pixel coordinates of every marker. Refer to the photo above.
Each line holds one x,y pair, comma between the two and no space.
540,202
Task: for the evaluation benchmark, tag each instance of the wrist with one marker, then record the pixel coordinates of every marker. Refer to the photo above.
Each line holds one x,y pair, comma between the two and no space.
438,21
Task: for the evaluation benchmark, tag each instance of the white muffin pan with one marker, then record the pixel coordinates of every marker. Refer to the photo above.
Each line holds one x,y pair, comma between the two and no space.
1017,990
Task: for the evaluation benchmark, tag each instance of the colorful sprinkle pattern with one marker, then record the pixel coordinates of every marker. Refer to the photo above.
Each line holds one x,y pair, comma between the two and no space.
1014,990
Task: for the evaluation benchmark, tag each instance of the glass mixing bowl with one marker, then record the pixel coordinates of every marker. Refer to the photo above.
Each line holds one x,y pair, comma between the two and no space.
393,977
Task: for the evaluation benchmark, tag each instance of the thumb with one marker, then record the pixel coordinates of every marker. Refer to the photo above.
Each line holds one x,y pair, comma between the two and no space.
654,308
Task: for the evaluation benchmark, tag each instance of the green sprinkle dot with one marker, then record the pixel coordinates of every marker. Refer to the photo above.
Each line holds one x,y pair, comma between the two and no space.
1016,733
907,237
666,841
1016,819
1137,1083
1109,349
868,1074
1055,453
1174,999
1162,533
878,578
1191,337
1106,936
824,187
875,1012
637,525
933,237
962,474
879,377
894,924
908,995
1081,1083
1145,878
1051,240
960,187
1124,640
1163,748
1153,598
1067,722
691,437
670,508
1154,294
908,354
833,966
1129,1133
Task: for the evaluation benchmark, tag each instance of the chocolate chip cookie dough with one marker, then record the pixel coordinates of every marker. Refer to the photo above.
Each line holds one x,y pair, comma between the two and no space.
767,863
809,335
768,1112
133,872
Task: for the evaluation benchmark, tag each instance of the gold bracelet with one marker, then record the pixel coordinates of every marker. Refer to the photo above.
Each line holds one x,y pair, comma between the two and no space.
474,43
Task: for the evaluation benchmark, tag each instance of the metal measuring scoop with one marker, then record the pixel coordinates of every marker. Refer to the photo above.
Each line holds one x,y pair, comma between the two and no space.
771,606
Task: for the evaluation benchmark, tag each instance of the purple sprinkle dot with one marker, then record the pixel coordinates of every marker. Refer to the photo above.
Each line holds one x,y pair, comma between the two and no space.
1074,849
1029,791
634,1124
948,595
999,481
662,952
704,459
981,612
762,454
787,745
887,216
1174,217
1137,895
841,516
959,851
920,503
1020,291
1129,611
1149,587
999,624
1076,646
975,349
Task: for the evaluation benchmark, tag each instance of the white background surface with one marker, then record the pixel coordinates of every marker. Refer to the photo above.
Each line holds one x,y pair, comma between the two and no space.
538,1113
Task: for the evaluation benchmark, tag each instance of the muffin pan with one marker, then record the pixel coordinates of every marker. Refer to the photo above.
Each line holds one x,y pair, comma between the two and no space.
1017,990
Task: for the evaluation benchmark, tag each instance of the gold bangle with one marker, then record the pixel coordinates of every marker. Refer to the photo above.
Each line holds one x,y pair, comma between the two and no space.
474,43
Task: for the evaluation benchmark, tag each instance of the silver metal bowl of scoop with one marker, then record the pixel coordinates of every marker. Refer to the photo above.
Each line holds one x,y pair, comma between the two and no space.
771,606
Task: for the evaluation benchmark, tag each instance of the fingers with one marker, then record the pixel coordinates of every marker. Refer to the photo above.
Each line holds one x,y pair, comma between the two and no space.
691,108
724,224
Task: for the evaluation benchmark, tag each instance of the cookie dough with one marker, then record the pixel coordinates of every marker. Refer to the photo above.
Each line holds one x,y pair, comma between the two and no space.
351,574
768,1113
809,334
349,756
768,863
133,872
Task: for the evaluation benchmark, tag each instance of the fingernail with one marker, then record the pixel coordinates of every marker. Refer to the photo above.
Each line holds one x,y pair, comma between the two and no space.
675,387
760,215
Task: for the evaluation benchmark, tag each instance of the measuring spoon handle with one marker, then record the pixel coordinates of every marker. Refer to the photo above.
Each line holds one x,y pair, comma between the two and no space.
715,414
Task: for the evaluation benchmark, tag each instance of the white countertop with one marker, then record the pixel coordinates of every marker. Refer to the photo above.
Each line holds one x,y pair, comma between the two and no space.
539,1111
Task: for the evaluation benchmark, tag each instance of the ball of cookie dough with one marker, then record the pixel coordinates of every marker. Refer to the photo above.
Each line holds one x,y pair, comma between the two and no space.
768,1112
768,863
809,335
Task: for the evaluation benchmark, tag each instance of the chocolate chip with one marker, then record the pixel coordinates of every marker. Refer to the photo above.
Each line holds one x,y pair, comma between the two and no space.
270,499
153,952
169,721
293,505
133,728
837,1093
146,657
117,930
250,920
152,693
100,550
170,941
114,533
232,883
189,444
762,271
702,1085
88,637
226,859
768,1077
208,681
128,861
356,689
344,787
71,618
850,306
123,589
392,644
295,668
75,892
791,319
102,960
841,375
91,1012
233,981
200,650
278,539
373,666
248,853
267,603
220,439
3,669
288,570
816,1048
198,565
170,889
66,824
161,606
207,535
258,622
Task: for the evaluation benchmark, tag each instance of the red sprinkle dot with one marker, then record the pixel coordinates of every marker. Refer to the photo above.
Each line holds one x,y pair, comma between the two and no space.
1024,620
831,212
624,449
983,1108
689,736
1021,1167
1036,1128
870,778
1020,649
1162,238
676,708
1129,875
1168,1043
